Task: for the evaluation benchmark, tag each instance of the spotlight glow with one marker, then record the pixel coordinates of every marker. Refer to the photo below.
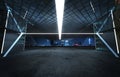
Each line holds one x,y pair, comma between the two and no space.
60,13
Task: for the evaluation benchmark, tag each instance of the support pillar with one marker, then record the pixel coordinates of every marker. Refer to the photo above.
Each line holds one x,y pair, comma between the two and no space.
3,16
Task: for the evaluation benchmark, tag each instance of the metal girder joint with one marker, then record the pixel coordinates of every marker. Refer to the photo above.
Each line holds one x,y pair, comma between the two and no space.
108,46
10,12
18,38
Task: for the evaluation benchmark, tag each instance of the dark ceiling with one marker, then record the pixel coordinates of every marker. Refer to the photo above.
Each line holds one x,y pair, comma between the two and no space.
78,15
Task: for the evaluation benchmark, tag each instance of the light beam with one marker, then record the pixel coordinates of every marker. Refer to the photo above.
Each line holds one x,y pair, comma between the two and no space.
61,33
59,12
91,4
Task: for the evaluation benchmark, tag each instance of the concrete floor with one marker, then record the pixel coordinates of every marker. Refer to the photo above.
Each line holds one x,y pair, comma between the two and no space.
60,62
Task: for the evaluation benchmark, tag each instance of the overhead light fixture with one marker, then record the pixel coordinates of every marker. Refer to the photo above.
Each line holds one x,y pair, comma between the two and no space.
61,33
60,12
91,4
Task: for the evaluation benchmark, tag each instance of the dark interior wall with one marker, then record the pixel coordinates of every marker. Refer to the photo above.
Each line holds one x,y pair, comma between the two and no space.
3,14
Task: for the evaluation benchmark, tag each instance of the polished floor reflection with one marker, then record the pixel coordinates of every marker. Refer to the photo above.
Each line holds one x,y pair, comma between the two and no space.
60,62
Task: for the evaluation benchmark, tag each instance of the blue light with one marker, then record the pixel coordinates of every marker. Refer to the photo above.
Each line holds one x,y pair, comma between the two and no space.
89,40
66,41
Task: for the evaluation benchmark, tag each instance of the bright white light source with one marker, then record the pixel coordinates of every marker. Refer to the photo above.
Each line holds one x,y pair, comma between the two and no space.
61,33
60,13
92,6
89,40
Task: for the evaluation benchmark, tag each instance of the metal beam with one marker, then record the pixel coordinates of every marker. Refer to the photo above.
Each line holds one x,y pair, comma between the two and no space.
4,36
62,33
115,34
14,43
103,23
9,9
25,14
16,22
114,53
11,47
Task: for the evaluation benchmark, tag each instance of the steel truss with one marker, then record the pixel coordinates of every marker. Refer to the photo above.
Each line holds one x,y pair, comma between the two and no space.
22,33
